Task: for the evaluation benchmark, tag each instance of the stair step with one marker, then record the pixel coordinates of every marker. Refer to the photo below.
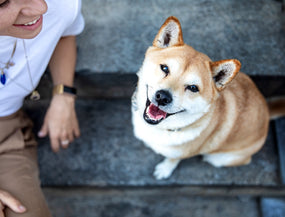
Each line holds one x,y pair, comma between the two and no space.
107,154
251,31
141,203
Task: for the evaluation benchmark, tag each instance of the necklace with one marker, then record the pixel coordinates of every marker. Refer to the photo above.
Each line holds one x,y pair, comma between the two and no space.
35,94
7,65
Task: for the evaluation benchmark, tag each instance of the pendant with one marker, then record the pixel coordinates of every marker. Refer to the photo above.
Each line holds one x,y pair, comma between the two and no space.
35,95
3,78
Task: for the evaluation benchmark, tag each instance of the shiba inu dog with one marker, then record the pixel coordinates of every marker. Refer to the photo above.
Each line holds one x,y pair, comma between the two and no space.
186,105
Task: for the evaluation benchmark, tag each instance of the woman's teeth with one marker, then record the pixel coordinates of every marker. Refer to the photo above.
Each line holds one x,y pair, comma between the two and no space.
32,23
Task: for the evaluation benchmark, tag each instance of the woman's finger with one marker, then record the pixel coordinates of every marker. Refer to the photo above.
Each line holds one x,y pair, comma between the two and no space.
54,144
44,130
76,130
11,202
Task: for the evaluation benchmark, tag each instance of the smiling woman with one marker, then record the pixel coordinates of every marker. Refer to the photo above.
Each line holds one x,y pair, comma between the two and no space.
33,35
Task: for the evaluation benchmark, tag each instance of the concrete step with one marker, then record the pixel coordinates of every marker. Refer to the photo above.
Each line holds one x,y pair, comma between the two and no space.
117,33
107,154
146,203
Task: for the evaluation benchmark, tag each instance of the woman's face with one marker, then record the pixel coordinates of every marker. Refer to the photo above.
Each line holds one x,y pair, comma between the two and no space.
21,18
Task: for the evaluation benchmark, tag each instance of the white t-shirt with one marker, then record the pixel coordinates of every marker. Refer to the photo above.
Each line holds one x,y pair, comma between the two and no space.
62,18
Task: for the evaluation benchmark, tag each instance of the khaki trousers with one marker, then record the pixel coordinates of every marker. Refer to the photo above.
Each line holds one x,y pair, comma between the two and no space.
19,174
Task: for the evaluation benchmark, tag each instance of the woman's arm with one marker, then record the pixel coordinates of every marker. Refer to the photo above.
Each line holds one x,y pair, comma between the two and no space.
60,121
63,60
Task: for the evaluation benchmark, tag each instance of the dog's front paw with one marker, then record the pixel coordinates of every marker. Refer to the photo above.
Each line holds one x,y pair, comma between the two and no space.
164,169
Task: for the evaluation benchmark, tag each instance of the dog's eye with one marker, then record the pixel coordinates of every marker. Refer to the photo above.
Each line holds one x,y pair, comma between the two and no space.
192,88
165,69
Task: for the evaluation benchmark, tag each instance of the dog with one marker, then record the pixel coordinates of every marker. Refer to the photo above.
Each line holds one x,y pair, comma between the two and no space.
185,105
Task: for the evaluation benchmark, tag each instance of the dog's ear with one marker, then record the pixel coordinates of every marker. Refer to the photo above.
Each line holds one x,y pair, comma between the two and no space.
224,71
170,34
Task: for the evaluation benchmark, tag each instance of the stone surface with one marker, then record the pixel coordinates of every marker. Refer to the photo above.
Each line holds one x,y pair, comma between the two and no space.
117,33
114,203
280,134
273,207
107,154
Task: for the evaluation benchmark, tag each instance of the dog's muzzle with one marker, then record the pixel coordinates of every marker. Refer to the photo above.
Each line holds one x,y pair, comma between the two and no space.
153,114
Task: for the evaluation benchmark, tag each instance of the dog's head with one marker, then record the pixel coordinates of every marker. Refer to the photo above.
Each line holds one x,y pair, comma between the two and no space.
177,84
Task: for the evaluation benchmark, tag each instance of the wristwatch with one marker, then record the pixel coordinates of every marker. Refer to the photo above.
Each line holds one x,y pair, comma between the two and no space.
61,88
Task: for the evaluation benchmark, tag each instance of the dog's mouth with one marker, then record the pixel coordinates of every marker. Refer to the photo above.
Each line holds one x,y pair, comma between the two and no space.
154,115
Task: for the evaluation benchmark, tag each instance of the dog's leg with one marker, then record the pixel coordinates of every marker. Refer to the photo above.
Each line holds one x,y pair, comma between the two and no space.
226,159
164,169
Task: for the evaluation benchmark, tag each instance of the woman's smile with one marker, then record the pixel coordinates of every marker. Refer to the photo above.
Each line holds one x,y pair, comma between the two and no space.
32,25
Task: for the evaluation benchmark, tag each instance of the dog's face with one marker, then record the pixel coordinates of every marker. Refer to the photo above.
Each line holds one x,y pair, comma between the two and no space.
177,84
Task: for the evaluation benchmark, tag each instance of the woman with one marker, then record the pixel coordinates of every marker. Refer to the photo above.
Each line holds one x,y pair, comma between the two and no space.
33,34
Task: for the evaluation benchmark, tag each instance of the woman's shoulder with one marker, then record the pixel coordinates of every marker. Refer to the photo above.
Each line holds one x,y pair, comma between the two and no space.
63,9
61,14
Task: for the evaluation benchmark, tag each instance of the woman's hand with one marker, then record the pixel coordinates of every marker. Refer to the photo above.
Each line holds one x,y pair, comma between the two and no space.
7,200
60,122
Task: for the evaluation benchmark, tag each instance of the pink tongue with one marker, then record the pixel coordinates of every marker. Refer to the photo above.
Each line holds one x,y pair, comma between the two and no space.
155,113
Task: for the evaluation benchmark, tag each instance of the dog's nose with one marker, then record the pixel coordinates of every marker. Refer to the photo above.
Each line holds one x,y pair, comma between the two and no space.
163,97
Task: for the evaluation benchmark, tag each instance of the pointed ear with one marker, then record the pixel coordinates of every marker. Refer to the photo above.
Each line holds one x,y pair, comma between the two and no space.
170,34
224,71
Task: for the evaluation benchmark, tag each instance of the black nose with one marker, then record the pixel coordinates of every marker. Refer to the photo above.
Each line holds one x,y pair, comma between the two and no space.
163,97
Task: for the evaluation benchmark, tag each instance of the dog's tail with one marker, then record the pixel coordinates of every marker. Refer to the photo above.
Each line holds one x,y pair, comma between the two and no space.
276,107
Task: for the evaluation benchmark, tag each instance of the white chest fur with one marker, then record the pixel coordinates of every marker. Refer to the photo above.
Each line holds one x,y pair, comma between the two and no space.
167,143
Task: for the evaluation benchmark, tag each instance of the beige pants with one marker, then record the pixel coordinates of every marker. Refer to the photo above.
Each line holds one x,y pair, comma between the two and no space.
19,173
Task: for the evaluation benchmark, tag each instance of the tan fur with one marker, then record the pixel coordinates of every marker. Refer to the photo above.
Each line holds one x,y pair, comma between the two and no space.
227,133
